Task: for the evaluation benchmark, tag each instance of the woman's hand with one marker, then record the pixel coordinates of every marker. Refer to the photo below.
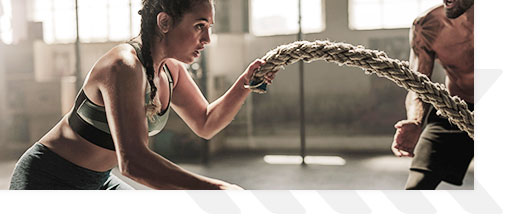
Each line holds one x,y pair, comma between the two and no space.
230,187
222,185
253,67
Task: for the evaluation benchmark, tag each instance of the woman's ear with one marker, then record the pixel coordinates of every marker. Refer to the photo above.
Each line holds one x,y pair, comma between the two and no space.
163,22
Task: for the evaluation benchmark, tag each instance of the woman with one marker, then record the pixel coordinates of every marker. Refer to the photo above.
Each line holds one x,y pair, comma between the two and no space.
125,98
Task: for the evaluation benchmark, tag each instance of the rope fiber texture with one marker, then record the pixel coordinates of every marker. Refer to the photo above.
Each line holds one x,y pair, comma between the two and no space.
372,61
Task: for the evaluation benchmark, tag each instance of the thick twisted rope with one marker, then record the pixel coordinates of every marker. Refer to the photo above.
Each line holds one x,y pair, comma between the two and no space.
372,61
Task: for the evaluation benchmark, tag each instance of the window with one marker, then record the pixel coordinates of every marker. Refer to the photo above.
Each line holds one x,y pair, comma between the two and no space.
99,20
386,14
5,21
269,17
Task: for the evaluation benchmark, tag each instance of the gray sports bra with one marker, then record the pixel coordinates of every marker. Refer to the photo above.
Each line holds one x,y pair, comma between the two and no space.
89,120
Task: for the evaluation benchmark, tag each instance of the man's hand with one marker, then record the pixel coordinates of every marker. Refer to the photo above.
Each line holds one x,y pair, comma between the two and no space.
406,137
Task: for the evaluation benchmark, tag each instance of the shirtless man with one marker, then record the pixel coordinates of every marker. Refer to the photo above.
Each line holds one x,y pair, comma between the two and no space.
442,151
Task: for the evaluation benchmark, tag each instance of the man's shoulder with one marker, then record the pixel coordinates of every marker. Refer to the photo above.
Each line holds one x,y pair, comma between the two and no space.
426,28
433,15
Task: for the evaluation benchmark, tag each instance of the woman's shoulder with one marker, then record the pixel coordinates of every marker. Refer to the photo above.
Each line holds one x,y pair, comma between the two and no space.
116,68
121,59
122,56
176,68
174,64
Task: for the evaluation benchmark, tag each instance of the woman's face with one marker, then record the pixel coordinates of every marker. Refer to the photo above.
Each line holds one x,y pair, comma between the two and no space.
187,39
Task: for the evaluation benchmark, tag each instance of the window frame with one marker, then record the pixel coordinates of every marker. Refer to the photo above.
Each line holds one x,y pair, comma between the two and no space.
53,38
383,25
322,18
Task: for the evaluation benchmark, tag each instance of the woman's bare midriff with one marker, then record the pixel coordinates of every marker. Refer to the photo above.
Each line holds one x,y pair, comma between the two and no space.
69,145
66,143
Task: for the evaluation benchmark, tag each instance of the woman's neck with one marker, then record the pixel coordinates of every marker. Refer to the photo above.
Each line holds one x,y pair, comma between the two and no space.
158,55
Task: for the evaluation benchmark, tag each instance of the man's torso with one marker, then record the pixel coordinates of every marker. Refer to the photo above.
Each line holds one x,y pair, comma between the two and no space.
452,42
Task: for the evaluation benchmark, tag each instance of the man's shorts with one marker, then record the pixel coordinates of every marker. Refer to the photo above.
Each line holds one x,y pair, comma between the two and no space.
443,149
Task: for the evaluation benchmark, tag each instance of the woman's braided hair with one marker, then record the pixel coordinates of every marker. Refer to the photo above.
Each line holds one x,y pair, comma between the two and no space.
151,8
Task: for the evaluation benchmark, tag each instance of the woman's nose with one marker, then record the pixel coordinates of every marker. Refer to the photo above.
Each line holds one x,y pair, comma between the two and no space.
206,37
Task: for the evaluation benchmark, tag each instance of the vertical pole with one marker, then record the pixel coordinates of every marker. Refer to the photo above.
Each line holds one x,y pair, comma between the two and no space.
53,20
131,35
3,96
205,158
77,74
249,102
301,93
108,20
3,83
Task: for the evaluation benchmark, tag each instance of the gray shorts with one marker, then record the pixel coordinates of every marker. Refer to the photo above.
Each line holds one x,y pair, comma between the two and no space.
41,169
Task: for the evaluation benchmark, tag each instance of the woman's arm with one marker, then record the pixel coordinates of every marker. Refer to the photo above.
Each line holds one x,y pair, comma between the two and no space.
205,119
122,89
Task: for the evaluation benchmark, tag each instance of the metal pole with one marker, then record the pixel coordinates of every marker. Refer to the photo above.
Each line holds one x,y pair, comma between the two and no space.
3,95
205,158
301,93
77,74
131,19
108,18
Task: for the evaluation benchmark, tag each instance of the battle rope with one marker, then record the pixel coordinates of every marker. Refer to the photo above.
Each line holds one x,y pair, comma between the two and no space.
372,61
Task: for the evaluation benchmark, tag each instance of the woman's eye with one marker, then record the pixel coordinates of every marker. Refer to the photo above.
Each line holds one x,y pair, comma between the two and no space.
200,26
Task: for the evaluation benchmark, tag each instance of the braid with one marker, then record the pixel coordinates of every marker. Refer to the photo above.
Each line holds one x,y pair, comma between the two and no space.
147,30
151,8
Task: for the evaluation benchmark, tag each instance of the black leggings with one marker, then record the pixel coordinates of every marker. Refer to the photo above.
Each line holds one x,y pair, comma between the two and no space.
41,169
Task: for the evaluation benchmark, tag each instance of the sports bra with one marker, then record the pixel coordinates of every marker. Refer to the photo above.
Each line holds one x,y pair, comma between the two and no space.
89,120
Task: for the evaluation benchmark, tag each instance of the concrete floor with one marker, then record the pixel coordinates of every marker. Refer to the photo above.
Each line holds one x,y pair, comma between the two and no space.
362,171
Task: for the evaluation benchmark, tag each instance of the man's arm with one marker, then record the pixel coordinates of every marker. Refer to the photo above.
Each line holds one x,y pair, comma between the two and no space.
422,60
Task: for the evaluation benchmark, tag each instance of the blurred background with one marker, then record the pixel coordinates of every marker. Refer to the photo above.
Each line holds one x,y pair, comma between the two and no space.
48,46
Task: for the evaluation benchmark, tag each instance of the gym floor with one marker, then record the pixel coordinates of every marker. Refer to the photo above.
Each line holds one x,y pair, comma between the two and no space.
362,171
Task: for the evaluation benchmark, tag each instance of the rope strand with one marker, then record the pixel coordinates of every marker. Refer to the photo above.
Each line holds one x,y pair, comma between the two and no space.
373,62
